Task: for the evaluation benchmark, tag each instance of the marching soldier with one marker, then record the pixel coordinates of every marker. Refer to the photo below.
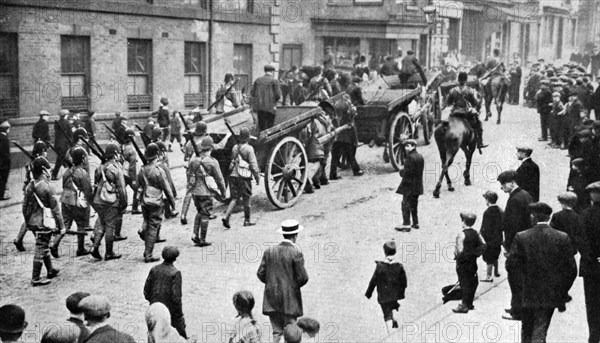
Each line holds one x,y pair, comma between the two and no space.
110,201
61,142
203,167
244,167
163,162
130,168
75,200
78,136
465,105
41,129
152,184
199,133
39,197
39,149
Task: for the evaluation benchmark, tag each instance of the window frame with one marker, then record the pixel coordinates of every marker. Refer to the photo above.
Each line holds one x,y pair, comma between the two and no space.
236,70
292,47
9,107
135,98
189,98
82,43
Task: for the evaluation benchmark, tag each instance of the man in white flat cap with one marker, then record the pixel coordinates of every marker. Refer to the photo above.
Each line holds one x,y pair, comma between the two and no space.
282,271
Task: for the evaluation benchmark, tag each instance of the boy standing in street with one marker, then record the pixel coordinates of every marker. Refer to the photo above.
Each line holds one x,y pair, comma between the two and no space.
491,231
390,279
469,246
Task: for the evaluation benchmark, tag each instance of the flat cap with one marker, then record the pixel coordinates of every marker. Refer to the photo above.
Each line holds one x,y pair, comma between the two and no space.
63,113
468,216
74,300
578,162
585,134
5,125
164,101
269,67
95,305
593,187
44,113
540,208
391,245
545,82
507,176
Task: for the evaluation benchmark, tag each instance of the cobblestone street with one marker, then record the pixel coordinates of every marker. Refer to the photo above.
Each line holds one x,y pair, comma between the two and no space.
346,224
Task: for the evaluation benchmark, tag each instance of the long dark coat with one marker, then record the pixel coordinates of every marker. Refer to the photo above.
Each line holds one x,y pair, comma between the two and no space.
282,271
542,259
412,175
516,215
528,178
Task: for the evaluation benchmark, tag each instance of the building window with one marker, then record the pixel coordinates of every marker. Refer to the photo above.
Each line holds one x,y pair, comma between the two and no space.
75,71
194,71
242,65
191,2
250,6
345,50
550,30
9,77
368,2
139,74
291,54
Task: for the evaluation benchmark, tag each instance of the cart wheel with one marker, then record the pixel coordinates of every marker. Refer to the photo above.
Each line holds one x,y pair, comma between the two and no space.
400,130
286,172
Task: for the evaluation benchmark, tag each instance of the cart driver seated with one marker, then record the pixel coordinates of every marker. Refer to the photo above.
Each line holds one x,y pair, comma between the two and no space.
466,105
411,68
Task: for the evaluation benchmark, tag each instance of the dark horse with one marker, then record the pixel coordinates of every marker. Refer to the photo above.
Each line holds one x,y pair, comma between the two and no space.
450,137
495,89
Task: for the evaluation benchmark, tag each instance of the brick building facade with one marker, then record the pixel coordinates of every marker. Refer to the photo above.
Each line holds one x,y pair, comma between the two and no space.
107,56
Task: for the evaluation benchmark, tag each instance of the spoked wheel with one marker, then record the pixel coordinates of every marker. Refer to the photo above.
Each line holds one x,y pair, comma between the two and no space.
400,130
286,172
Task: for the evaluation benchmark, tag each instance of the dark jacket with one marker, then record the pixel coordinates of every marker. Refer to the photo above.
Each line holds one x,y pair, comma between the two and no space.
587,239
528,178
41,131
265,94
516,215
390,279
389,68
541,257
163,117
114,176
107,334
89,124
84,331
515,75
491,225
567,221
544,101
282,271
164,285
412,175
61,143
4,152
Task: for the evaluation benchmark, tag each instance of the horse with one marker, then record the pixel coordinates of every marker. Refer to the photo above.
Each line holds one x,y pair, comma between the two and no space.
495,89
450,137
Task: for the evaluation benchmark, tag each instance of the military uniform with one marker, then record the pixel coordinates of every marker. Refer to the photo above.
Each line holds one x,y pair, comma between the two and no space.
199,167
34,214
4,163
130,170
109,212
75,180
187,155
465,105
241,187
150,178
61,143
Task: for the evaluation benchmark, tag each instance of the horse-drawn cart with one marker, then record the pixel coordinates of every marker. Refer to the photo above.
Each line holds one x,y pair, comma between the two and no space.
391,116
280,153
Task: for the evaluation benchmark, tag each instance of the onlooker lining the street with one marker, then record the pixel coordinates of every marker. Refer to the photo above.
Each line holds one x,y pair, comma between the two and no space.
542,260
469,246
282,269
246,329
491,231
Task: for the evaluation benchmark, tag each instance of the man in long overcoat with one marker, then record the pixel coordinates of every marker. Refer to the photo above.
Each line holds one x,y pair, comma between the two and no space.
542,257
587,239
282,271
411,186
516,219
528,173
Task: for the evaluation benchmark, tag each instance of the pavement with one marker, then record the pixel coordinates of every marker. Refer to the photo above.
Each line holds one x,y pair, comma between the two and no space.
346,223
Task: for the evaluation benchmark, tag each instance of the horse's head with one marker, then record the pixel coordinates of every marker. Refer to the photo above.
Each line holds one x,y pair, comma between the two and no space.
478,70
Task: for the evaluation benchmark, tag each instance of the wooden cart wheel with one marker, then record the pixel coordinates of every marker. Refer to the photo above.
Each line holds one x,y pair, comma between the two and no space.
286,172
400,130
